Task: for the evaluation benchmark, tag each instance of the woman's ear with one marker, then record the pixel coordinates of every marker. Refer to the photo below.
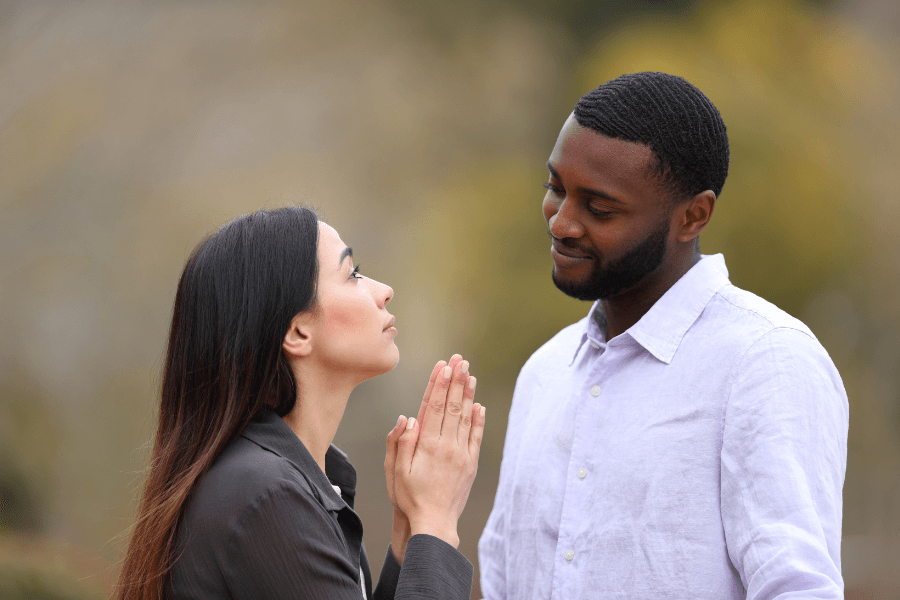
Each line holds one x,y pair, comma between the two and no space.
298,339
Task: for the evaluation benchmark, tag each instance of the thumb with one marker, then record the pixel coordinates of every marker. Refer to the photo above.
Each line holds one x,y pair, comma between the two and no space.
390,455
406,446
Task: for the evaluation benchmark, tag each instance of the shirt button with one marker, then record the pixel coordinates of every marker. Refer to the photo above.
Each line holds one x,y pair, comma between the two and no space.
595,390
595,345
582,473
570,554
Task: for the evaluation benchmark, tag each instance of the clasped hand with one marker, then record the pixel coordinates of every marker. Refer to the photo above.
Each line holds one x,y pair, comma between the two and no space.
431,460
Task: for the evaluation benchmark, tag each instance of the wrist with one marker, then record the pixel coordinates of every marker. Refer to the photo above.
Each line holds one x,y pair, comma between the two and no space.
400,534
441,530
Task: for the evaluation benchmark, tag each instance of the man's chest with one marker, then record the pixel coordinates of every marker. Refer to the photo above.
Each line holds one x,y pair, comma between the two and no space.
622,437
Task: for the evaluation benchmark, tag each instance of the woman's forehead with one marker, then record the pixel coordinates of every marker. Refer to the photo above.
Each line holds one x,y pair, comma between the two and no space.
329,236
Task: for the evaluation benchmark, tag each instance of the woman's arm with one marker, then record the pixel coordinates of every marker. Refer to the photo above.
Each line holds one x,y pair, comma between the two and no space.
400,532
434,460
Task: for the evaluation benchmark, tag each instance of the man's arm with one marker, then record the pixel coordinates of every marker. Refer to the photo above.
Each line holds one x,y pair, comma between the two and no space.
493,545
784,455
492,551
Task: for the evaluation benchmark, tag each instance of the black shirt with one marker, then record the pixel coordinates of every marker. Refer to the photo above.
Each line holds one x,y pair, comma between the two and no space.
265,522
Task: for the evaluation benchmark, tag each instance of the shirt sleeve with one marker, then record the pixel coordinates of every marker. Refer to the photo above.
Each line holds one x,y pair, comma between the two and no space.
286,545
433,570
492,547
784,456
387,581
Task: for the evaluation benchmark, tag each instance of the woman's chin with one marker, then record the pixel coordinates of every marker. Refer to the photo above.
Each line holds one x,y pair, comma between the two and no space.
386,363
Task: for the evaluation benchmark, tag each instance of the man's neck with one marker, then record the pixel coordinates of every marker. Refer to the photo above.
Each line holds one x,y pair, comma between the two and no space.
626,309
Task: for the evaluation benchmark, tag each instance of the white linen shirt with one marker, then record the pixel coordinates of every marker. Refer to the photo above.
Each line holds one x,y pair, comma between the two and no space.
698,455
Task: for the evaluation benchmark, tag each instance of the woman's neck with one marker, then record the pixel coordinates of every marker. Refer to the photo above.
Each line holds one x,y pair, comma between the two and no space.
318,410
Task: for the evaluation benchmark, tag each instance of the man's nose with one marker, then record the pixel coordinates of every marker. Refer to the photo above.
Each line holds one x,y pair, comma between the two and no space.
564,223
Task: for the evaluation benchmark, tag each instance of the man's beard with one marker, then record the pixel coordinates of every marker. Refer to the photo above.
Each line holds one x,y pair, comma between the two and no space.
622,274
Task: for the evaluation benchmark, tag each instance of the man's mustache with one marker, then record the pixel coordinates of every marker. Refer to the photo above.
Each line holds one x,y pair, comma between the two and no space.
570,246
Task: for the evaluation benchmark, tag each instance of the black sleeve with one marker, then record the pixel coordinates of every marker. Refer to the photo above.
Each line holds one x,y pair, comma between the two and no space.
434,570
387,581
287,545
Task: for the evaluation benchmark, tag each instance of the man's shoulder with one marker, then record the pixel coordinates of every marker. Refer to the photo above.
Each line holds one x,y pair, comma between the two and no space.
746,316
558,350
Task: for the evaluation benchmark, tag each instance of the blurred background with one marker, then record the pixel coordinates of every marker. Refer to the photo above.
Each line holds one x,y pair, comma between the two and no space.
129,130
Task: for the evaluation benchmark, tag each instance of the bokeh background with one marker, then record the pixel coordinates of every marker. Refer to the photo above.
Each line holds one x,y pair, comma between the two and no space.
129,130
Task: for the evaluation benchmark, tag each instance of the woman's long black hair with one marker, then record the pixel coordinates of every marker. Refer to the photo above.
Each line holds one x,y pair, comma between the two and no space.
236,298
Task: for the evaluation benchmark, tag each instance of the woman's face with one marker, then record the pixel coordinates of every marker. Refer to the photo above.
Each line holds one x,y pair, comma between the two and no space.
354,330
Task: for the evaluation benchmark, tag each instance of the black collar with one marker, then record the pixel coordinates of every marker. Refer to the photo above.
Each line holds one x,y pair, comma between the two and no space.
269,431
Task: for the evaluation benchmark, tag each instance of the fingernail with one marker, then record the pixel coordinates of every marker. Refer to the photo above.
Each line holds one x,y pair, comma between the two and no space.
446,372
456,356
412,421
471,383
465,366
400,418
482,412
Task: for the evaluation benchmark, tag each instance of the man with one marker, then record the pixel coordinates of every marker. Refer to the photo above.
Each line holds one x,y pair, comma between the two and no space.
686,439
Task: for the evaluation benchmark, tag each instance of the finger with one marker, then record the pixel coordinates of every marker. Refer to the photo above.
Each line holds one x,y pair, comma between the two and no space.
390,455
406,446
477,431
431,428
434,373
454,360
465,419
454,406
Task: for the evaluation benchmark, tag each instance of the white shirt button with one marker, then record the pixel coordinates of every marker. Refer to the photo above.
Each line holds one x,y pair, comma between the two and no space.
595,345
570,554
595,390
582,473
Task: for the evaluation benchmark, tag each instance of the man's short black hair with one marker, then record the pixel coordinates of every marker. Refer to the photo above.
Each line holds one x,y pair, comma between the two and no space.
678,122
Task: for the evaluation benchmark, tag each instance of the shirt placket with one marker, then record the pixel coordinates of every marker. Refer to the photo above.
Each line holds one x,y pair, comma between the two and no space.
589,388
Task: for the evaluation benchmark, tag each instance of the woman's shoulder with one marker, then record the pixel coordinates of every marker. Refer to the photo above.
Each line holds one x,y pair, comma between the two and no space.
242,475
245,482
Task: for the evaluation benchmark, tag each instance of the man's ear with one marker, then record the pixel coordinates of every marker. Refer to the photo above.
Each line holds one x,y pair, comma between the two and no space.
298,339
694,215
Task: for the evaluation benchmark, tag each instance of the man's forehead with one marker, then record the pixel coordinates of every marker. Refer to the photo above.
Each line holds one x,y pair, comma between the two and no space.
577,142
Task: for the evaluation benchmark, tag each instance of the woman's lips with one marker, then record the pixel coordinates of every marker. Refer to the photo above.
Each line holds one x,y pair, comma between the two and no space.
390,325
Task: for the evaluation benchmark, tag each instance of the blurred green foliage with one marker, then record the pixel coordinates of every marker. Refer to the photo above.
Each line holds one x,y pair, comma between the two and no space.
35,585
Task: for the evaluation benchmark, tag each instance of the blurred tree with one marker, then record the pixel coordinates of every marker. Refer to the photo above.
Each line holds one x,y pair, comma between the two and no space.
33,584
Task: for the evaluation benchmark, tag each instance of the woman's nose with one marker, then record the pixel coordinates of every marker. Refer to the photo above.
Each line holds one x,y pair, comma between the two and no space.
386,294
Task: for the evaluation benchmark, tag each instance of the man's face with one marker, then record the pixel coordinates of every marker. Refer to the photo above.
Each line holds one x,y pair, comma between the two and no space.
607,215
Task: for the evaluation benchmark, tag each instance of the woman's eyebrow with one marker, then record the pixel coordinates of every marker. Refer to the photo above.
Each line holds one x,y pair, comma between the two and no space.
348,251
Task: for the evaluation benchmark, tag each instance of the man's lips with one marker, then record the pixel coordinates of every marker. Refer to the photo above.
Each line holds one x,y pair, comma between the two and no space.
560,249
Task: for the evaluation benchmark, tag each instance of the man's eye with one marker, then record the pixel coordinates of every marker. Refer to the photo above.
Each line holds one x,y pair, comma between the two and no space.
553,188
599,213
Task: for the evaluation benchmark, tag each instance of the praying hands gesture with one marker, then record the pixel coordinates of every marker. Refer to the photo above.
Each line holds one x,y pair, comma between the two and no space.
431,460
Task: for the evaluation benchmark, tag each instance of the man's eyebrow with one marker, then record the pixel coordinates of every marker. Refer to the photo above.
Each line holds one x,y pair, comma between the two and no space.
586,191
348,251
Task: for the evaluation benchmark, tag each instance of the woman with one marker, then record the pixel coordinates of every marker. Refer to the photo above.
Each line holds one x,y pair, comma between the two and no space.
246,497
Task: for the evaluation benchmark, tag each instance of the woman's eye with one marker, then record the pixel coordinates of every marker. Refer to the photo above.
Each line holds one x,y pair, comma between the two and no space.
354,274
